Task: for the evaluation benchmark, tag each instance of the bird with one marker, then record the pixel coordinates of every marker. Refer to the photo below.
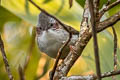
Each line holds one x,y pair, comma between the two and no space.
50,36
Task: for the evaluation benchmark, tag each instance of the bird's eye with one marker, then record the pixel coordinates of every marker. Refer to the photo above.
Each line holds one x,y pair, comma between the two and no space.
51,24
40,28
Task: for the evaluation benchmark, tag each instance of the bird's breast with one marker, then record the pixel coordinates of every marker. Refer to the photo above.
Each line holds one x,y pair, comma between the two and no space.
50,41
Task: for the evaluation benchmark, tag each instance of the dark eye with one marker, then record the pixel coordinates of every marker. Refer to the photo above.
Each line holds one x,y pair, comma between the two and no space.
40,28
51,24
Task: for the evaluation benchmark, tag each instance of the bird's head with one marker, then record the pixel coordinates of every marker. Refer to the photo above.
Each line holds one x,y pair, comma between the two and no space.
45,23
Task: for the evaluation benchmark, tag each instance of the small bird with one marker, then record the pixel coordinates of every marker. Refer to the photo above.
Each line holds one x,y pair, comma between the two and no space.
51,36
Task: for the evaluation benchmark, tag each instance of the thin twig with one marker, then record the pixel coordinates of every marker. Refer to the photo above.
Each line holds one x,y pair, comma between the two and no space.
112,73
92,77
108,22
115,51
7,67
115,48
59,55
110,6
21,73
94,33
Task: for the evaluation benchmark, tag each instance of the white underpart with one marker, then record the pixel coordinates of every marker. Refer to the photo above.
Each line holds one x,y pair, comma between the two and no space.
50,41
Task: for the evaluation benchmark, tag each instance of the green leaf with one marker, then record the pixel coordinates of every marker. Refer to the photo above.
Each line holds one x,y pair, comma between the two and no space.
6,16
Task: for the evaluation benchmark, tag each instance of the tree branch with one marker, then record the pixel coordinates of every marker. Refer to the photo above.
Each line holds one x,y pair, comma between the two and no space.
108,7
115,48
84,37
94,34
115,51
108,22
91,77
5,60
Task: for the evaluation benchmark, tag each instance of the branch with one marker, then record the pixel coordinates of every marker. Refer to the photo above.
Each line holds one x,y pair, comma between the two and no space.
91,77
110,6
5,60
108,22
115,50
84,37
94,34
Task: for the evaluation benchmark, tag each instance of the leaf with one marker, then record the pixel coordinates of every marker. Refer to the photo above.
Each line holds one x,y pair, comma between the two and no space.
6,16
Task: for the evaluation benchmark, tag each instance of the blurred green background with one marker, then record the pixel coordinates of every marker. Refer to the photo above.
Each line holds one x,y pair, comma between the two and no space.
19,17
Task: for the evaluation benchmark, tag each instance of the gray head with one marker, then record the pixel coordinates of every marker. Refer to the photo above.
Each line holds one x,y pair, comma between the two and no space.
45,22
